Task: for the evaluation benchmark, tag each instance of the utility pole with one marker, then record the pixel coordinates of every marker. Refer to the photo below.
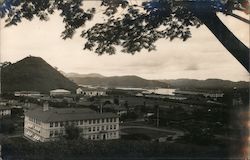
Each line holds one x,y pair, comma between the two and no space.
157,115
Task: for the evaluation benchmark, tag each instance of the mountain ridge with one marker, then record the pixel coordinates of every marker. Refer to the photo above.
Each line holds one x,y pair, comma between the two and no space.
210,83
119,81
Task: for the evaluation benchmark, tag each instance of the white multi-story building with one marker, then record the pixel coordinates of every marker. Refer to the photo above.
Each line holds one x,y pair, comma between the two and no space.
46,124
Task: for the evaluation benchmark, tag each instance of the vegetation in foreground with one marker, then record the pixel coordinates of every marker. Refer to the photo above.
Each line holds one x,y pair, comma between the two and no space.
19,148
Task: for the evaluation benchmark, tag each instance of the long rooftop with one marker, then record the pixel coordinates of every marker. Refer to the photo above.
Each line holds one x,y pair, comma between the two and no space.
66,114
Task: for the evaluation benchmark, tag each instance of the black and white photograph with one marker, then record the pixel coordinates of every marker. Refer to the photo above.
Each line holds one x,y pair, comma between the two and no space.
124,79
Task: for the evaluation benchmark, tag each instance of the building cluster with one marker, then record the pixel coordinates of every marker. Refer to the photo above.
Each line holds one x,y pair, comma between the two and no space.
45,123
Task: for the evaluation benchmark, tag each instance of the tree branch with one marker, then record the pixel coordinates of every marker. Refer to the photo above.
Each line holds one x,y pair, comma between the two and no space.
226,37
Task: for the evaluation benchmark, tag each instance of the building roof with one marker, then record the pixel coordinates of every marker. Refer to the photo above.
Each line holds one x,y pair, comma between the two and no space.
60,90
66,114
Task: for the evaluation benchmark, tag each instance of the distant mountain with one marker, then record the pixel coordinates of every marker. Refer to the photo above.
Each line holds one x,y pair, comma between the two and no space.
205,84
119,81
33,74
84,75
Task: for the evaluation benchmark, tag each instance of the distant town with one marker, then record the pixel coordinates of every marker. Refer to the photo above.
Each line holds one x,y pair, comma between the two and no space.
203,119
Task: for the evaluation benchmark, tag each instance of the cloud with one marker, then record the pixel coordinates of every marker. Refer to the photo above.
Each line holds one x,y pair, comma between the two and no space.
192,67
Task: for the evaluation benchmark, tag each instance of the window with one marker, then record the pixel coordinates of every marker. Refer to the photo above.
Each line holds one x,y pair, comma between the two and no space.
89,129
114,119
111,119
114,133
51,124
93,136
97,136
89,137
93,129
98,128
51,133
90,121
56,133
107,120
114,126
103,120
61,124
81,122
86,121
110,127
94,121
56,124
97,121
102,128
107,127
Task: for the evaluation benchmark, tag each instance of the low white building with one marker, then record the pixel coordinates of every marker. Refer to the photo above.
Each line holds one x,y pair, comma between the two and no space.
59,92
46,124
91,91
27,94
5,111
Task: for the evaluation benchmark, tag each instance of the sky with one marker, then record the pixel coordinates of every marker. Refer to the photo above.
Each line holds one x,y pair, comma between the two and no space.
200,57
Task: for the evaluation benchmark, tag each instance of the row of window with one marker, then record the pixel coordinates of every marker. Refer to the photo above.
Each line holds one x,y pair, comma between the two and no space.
93,93
94,121
5,112
103,136
35,121
55,133
102,128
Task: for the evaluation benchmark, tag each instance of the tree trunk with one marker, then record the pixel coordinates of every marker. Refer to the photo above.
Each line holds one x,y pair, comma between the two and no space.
226,37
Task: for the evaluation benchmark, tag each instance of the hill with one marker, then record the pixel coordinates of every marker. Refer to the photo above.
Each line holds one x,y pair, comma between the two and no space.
119,81
33,74
205,84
